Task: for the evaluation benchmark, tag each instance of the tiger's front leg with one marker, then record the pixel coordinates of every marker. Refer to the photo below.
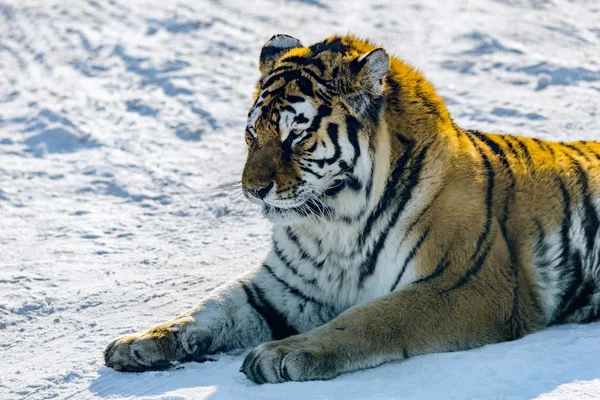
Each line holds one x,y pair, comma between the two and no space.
425,317
230,318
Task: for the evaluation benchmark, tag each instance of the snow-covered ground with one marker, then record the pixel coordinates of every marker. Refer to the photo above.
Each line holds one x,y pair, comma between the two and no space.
118,117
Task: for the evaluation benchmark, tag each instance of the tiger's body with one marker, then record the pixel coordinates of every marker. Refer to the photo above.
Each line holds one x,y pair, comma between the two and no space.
396,232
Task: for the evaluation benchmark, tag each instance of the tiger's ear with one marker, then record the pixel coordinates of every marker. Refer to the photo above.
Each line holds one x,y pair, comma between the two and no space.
272,51
373,67
368,72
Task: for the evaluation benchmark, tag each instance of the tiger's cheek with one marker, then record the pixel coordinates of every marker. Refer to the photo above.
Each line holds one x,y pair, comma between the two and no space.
288,183
309,168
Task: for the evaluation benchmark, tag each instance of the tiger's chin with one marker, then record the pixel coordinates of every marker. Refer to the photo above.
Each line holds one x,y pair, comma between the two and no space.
282,216
292,215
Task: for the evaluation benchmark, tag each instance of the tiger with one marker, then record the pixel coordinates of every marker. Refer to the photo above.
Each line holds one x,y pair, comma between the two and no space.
395,232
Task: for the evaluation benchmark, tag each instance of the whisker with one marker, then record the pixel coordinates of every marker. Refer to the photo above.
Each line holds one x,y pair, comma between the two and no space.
324,208
225,187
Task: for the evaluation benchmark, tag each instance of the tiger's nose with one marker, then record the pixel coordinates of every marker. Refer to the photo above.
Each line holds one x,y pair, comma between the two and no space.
260,191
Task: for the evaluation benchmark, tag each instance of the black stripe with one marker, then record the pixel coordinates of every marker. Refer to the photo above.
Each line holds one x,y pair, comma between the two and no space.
419,217
498,151
388,196
286,262
479,256
310,171
583,298
292,237
256,105
319,79
568,272
590,219
511,147
338,186
494,147
332,132
282,68
541,233
352,127
590,224
275,320
403,139
393,96
351,219
411,255
541,252
353,183
302,61
312,148
293,290
367,268
540,144
428,103
544,146
439,270
323,97
593,316
289,109
585,144
369,186
276,94
322,112
335,46
576,294
307,135
488,198
306,87
300,119
356,65
576,150
271,52
294,99
373,111
510,194
285,75
524,149
564,232
474,270
286,146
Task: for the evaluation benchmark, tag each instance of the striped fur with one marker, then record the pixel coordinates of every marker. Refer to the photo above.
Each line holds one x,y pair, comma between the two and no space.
395,232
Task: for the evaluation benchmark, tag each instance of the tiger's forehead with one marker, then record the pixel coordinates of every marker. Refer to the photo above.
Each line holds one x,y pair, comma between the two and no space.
290,95
284,115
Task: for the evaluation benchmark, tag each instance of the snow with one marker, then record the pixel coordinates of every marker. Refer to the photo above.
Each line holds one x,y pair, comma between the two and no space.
119,118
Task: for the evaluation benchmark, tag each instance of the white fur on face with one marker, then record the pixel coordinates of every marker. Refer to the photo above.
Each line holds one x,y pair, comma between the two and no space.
255,112
298,120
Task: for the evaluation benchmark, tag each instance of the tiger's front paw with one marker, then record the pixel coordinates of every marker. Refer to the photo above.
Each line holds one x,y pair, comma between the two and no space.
158,348
293,359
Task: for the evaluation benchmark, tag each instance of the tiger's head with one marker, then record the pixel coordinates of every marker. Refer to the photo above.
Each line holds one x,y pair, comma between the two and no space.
308,129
